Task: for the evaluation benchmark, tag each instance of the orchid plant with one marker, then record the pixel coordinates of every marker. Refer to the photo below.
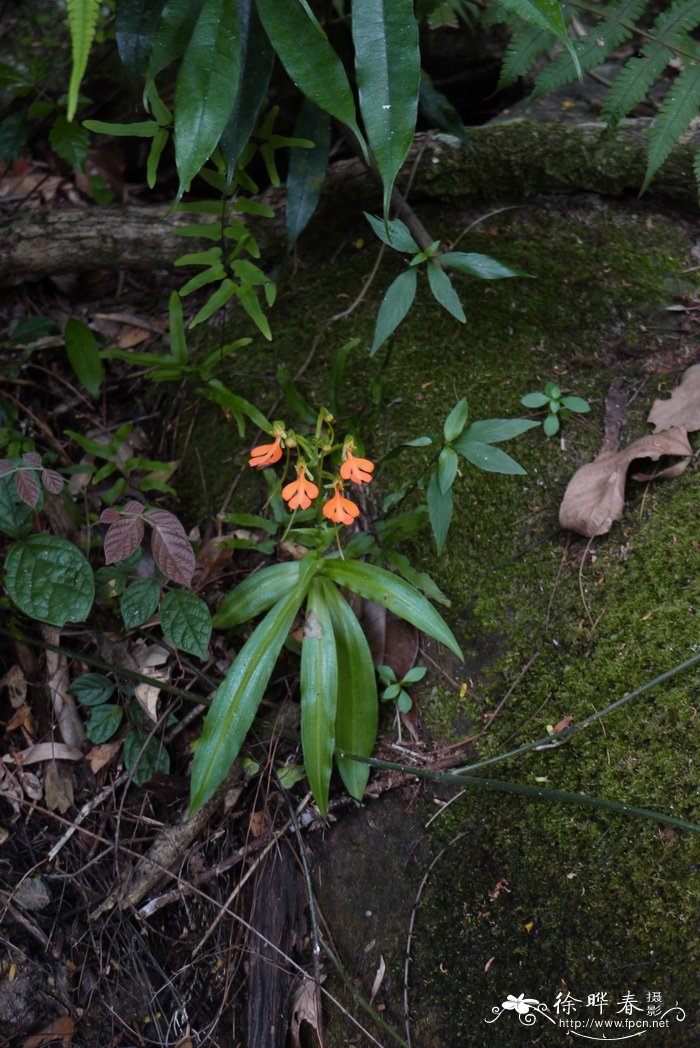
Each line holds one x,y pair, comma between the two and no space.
337,681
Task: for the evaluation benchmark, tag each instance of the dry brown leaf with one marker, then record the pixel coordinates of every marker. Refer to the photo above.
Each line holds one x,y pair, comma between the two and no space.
16,684
150,662
44,751
58,786
10,790
683,407
64,707
392,641
378,978
305,1010
63,1028
100,756
595,496
22,718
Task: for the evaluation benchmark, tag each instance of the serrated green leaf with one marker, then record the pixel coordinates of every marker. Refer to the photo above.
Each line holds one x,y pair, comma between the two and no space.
439,511
492,430
144,756
256,594
394,593
206,88
103,721
456,420
447,469
136,23
387,70
444,293
482,266
186,622
307,168
91,689
237,699
82,21
139,602
84,355
357,709
679,107
69,141
319,694
310,61
526,45
49,579
256,61
395,305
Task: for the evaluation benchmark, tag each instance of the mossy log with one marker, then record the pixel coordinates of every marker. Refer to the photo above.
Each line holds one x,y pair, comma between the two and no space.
503,161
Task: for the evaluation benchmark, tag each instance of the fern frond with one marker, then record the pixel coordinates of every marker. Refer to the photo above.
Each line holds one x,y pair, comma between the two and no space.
680,105
524,48
82,20
592,49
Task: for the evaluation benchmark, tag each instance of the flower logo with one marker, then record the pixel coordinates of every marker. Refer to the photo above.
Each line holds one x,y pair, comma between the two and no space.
520,1004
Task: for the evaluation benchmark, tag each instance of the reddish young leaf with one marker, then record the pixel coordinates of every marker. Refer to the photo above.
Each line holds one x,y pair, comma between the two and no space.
171,547
132,506
6,466
27,486
31,458
52,481
108,516
122,538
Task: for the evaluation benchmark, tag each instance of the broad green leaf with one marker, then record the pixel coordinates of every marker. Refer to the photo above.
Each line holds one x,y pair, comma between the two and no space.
319,691
257,593
394,593
394,233
307,168
310,60
136,25
206,87
103,722
447,469
91,689
455,421
139,129
186,622
176,25
256,60
84,355
69,141
444,293
237,699
32,329
356,713
439,511
534,400
487,457
387,69
49,579
82,20
545,14
576,404
395,305
139,602
551,425
482,266
491,430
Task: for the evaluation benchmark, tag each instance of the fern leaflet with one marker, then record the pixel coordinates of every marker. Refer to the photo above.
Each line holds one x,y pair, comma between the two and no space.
524,48
678,108
82,20
592,49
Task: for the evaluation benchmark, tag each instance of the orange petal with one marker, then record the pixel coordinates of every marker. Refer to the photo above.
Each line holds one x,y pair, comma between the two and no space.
265,454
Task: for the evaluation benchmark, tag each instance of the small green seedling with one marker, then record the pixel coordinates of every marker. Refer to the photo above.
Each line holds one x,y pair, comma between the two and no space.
559,408
394,690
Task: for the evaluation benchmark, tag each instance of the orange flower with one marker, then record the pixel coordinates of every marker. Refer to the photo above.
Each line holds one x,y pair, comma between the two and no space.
300,493
266,454
357,469
339,509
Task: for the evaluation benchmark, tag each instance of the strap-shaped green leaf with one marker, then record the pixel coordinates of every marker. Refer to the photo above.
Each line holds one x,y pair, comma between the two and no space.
444,293
394,593
307,168
238,406
393,233
256,594
237,699
206,88
357,710
256,61
176,24
491,430
319,690
482,266
137,22
82,19
439,511
395,305
310,60
487,457
387,66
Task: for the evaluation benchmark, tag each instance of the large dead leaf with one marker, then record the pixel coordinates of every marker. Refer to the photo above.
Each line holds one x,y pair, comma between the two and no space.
58,786
683,407
595,496
62,1028
305,1010
392,641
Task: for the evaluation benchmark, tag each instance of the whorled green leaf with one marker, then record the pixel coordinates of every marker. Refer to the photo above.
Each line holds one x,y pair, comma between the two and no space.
534,400
357,710
49,579
319,692
237,699
447,469
551,425
493,430
577,404
439,511
487,457
255,67
82,21
138,602
206,88
395,305
257,593
136,23
310,60
387,69
307,168
456,420
394,593
482,266
393,233
444,293
84,355
186,622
